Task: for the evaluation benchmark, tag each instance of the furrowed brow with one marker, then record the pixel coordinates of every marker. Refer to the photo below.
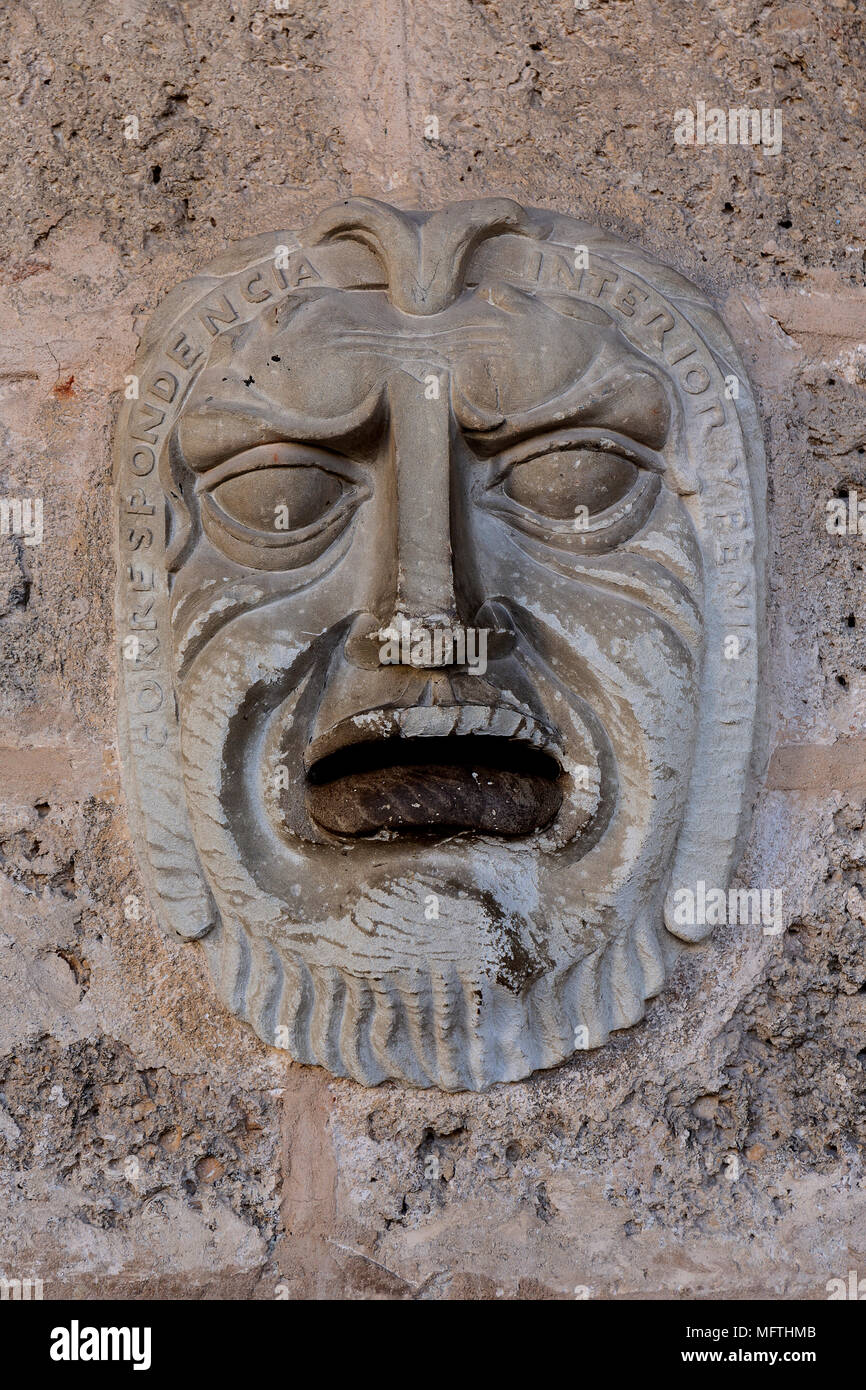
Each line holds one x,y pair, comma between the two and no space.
217,428
622,398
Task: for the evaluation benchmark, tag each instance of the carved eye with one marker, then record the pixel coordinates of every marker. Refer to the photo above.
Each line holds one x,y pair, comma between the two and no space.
571,482
280,506
279,500
579,489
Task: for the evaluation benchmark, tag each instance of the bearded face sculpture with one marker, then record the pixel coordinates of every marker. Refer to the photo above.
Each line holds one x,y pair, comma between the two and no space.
438,603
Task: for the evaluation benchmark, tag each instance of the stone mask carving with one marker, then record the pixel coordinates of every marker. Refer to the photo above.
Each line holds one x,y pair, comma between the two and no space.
438,603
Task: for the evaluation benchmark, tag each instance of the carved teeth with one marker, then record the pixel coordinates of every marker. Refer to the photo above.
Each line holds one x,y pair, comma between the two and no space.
431,721
474,719
435,721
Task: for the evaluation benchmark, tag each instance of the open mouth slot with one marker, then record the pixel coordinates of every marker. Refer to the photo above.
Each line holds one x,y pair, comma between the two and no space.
491,785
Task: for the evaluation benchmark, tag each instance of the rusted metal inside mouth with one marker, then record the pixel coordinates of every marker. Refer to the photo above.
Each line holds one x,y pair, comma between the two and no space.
488,784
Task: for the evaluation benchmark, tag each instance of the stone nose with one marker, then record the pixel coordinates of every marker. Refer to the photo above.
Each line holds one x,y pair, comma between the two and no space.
427,627
421,463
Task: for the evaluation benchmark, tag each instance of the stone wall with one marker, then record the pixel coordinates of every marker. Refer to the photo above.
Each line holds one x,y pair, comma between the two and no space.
149,1144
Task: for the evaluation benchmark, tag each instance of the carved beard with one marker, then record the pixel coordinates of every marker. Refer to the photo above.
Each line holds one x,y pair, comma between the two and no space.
469,958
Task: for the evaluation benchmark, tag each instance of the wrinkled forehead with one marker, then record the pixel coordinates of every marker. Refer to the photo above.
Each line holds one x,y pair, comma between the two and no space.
508,355
499,351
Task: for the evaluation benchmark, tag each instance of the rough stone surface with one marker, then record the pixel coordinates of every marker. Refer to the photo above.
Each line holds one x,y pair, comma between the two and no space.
149,1143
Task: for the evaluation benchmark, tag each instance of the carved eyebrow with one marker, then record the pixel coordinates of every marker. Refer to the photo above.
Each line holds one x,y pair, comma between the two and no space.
592,437
232,424
619,398
283,453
